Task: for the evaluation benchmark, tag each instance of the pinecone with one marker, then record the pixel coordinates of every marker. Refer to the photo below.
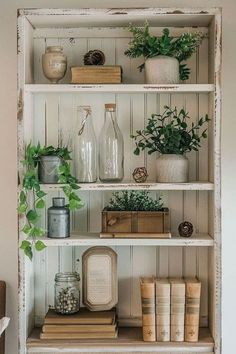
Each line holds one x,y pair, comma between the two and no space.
94,57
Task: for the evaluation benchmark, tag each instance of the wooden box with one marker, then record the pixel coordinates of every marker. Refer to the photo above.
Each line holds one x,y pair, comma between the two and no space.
136,222
96,74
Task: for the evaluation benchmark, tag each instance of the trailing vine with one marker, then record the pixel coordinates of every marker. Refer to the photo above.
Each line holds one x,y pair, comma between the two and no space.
32,195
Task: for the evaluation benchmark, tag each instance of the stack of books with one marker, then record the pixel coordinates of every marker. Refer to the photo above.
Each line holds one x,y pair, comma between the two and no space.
96,74
82,325
170,309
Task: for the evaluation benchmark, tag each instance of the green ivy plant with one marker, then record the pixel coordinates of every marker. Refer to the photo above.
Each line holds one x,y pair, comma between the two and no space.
134,201
148,46
32,196
170,133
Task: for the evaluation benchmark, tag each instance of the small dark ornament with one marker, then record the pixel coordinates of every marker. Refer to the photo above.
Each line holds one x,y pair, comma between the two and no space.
94,57
185,229
140,174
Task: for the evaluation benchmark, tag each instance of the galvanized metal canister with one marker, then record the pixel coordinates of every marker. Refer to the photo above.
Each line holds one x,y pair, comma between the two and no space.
48,169
58,219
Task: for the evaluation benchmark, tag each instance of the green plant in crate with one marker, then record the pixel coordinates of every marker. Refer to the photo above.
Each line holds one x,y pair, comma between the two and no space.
169,133
149,46
32,197
134,201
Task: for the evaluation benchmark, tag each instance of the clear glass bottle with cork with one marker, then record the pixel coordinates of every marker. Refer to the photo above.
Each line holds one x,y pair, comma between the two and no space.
111,148
85,147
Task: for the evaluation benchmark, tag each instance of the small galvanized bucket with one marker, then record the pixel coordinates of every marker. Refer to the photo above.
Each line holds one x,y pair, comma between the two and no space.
48,169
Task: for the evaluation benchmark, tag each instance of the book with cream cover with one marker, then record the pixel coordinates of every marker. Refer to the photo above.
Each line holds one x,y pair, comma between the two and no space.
192,309
147,286
162,310
177,308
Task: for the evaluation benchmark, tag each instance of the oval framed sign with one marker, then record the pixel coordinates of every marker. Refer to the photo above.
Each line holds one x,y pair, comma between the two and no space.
100,281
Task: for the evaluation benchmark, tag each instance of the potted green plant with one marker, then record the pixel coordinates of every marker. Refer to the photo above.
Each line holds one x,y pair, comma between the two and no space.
170,135
32,195
164,56
135,212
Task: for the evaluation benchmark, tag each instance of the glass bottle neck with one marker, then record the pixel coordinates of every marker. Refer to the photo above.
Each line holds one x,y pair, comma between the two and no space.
84,115
110,117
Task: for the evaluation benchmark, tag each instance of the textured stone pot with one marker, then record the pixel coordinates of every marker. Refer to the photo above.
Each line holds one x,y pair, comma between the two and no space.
54,63
48,169
162,70
172,168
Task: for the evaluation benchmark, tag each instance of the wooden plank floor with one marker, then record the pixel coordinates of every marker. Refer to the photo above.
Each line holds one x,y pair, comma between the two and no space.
129,340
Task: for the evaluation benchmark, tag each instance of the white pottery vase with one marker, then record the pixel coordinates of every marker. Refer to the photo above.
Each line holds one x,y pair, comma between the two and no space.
54,63
172,168
162,70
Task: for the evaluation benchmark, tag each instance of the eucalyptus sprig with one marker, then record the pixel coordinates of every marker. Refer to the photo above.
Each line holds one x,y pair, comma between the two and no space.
134,201
149,46
32,197
169,133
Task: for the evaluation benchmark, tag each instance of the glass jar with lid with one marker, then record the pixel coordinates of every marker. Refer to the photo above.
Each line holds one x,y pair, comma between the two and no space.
67,293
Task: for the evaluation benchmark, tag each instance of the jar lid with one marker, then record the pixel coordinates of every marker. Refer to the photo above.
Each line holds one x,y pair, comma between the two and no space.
67,276
54,48
111,106
58,202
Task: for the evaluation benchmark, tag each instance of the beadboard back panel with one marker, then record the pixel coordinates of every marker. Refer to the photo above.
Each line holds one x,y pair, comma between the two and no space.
55,123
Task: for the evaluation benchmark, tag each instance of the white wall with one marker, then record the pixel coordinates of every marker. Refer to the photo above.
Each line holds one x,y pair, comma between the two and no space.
8,174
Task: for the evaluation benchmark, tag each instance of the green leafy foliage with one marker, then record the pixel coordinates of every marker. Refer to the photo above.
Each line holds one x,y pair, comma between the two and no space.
148,46
31,198
169,133
134,201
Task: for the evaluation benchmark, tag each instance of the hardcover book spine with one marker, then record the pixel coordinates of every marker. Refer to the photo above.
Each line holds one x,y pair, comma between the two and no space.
177,310
192,310
162,310
147,286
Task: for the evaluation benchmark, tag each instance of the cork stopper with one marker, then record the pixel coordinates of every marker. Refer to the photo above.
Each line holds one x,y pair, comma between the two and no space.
110,106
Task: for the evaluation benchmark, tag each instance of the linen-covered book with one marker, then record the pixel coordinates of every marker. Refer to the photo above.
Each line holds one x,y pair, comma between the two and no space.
192,309
147,286
177,309
162,310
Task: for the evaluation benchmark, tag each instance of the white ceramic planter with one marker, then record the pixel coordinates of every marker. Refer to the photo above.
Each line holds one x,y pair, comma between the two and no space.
54,63
162,70
172,168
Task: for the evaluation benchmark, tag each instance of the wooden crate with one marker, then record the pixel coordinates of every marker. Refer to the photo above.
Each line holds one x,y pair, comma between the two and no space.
136,221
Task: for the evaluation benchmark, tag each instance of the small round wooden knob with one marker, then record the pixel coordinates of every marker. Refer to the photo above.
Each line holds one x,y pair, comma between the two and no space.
185,229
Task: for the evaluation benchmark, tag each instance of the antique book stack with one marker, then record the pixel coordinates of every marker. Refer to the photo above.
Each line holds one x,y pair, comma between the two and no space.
170,309
82,325
96,74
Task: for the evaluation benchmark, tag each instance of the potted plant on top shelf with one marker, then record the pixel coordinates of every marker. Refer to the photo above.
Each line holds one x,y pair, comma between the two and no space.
45,164
165,56
169,134
135,214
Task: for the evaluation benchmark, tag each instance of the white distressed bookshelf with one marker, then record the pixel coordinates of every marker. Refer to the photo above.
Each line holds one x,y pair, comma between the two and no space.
47,114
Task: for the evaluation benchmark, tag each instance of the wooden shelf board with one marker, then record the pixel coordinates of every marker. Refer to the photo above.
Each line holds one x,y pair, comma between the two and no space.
119,88
93,239
129,340
137,186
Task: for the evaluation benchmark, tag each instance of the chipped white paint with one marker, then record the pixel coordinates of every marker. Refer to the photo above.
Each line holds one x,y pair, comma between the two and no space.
93,239
191,186
53,110
128,88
